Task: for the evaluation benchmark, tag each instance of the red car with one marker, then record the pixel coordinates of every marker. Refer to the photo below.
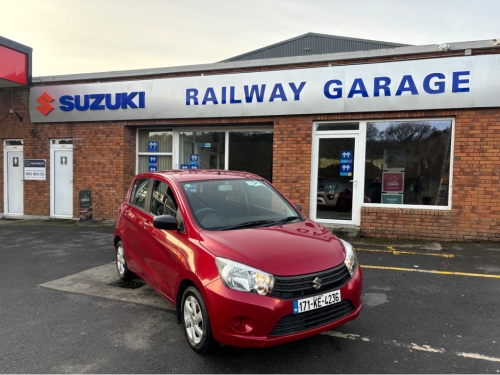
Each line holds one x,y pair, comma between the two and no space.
239,261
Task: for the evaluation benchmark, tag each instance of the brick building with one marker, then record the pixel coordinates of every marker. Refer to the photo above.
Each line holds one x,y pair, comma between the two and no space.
396,142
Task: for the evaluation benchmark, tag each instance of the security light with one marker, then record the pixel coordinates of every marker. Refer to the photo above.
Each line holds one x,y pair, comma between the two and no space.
444,47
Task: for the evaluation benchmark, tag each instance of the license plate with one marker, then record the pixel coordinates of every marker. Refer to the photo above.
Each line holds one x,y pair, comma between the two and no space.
316,302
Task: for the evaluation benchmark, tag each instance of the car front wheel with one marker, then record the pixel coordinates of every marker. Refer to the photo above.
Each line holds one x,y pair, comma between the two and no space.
195,320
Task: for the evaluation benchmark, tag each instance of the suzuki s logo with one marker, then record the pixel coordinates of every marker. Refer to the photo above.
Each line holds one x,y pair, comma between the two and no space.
45,108
317,283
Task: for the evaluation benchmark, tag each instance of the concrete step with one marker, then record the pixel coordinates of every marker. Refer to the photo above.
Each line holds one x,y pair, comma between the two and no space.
344,231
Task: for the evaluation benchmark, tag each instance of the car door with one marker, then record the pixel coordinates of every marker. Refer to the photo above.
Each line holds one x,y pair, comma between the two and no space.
162,255
136,216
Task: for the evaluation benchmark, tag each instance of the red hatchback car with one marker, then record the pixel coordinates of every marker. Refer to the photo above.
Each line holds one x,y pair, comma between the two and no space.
239,261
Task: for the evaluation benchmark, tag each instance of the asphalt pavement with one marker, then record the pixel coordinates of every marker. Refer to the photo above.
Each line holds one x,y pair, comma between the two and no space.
427,308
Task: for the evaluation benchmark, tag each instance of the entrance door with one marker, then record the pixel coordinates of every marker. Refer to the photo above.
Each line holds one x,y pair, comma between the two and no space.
13,202
61,178
334,188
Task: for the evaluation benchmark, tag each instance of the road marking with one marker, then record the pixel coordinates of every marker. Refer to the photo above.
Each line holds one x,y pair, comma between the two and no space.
435,272
412,346
398,252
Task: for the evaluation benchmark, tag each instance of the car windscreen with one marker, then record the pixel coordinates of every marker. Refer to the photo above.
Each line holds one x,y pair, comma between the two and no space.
236,204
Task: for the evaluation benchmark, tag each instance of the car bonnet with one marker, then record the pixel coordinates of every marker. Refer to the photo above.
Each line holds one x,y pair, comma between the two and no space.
284,250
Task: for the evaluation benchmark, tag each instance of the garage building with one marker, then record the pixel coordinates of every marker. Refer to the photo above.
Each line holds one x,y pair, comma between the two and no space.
375,138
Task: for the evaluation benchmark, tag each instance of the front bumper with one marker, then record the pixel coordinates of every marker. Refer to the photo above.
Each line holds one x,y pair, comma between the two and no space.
249,320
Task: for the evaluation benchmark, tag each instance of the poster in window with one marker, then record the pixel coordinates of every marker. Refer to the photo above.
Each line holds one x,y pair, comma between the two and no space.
392,198
394,160
393,182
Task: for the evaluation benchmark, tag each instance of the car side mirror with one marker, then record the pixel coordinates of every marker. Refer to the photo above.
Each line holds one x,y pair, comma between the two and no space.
167,222
298,206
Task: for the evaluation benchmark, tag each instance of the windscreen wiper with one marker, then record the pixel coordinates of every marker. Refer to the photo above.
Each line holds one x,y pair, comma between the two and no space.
287,219
249,224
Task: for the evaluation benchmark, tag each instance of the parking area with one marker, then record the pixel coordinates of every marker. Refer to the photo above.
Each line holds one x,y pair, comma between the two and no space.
428,308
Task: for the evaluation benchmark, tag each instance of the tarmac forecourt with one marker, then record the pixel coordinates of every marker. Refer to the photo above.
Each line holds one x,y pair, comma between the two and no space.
99,282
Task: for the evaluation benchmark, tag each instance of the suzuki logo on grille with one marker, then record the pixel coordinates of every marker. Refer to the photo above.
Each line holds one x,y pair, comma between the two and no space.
45,106
317,283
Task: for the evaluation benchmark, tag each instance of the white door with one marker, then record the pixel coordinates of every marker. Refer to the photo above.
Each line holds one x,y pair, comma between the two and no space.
61,179
14,180
335,189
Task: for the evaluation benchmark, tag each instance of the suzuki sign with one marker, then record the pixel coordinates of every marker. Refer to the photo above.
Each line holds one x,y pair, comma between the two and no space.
455,82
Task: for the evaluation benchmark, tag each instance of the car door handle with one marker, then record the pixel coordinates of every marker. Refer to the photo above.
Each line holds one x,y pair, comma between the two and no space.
146,224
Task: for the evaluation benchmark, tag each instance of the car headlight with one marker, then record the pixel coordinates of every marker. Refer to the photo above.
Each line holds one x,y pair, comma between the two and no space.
351,261
240,277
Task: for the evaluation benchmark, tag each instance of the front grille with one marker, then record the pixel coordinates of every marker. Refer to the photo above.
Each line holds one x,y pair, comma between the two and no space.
295,323
292,287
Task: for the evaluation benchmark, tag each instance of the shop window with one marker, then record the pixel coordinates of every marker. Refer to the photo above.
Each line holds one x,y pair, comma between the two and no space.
161,163
204,150
248,151
252,151
154,150
408,162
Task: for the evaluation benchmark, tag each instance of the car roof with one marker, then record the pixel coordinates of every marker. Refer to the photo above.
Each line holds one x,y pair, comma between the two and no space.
198,175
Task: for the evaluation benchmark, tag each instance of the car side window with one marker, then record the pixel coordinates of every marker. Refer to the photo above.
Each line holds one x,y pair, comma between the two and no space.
163,202
139,193
158,198
170,204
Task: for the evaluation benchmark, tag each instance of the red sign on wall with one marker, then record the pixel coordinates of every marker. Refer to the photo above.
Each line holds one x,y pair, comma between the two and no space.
393,182
13,66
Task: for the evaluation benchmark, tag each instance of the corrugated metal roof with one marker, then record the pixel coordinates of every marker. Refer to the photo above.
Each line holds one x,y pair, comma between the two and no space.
313,44
275,62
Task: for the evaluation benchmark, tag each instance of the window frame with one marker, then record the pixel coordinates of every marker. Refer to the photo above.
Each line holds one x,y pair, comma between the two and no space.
362,155
145,153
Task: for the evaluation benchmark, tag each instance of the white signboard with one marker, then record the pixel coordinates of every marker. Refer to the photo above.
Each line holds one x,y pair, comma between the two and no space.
454,82
35,169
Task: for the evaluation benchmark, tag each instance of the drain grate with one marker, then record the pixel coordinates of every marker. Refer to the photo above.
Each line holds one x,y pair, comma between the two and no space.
127,284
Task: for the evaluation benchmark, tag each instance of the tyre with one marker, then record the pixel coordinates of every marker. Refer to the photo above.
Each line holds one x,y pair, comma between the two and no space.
344,204
121,263
195,321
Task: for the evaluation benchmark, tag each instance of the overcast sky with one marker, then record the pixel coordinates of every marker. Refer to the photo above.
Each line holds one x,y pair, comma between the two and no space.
81,36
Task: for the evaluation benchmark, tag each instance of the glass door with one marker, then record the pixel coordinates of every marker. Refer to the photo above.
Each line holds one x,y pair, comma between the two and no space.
334,195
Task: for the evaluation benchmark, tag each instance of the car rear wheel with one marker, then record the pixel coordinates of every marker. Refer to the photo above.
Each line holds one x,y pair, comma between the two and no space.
121,263
195,320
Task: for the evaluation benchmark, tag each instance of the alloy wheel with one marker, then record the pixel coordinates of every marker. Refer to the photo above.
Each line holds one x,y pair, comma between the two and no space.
120,260
193,320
